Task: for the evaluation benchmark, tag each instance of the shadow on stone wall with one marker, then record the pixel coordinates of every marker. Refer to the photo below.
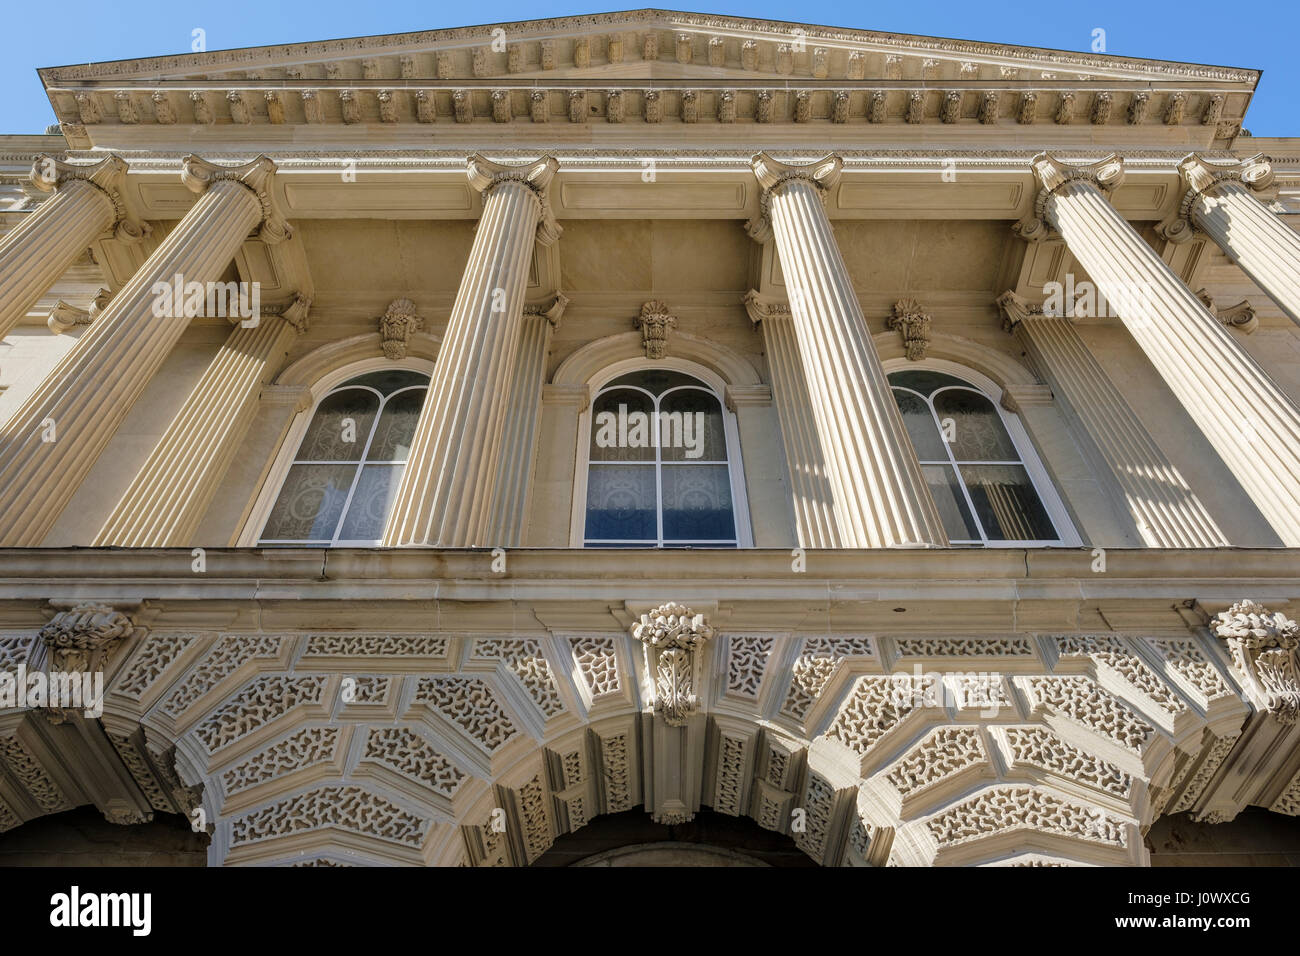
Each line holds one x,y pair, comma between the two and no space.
82,837
1256,837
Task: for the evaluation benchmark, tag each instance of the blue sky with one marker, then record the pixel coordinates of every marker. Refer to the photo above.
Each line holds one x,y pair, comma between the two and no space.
1263,36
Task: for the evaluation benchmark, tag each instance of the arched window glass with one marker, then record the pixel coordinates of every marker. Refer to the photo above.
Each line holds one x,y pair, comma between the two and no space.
978,477
658,472
341,482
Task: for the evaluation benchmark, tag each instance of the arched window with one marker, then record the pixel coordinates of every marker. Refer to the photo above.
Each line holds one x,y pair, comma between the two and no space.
341,481
989,490
658,465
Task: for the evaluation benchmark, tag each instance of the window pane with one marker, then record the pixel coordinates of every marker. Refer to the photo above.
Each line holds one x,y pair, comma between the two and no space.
621,503
922,380
311,500
390,380
655,380
953,510
921,427
370,503
978,433
392,441
690,427
340,427
1007,504
622,427
697,503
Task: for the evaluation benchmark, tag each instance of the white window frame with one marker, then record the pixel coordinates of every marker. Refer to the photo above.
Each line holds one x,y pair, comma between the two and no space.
730,430
251,534
1067,536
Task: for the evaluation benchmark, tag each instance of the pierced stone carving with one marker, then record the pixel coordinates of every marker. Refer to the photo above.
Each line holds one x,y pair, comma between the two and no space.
746,662
28,772
260,703
154,656
525,660
731,767
650,46
816,664
226,656
470,703
1185,658
396,326
617,773
407,753
1263,645
941,754
913,323
964,647
598,664
347,808
671,634
877,704
1039,747
305,748
1216,750
655,322
1083,701
614,49
1000,809
1113,652
533,819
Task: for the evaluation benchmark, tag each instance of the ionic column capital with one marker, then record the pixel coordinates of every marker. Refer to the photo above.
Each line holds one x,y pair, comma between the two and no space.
763,307
772,175
552,312
1053,174
485,175
50,173
258,176
1203,178
1016,310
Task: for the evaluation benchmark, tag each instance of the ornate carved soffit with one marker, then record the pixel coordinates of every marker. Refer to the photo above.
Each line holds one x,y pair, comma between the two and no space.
673,635
1016,310
655,322
259,176
1263,645
761,307
108,175
485,175
1240,316
772,175
1202,178
64,317
1106,174
913,323
396,326
551,313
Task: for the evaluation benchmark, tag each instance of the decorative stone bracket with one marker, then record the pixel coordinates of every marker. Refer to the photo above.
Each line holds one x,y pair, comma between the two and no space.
655,322
396,326
1263,645
78,642
913,323
672,635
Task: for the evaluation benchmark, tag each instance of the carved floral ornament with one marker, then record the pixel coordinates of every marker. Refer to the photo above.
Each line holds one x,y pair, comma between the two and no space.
396,326
672,635
1263,645
82,638
913,323
485,175
1053,174
655,322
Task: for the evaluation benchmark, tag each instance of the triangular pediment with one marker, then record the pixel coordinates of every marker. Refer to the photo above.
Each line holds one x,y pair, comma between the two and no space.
528,69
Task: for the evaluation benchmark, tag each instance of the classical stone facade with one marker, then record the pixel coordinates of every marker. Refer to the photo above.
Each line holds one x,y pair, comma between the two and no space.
418,446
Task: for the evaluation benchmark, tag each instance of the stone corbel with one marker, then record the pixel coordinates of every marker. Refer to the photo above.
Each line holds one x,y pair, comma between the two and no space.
673,636
913,323
1106,174
79,641
485,175
258,176
396,326
655,322
1263,646
108,176
1201,178
1240,316
772,175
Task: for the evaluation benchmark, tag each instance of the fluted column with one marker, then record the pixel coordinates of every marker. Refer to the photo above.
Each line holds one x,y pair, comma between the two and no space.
1251,423
446,494
519,443
814,505
1165,511
1220,202
172,490
880,494
49,445
86,203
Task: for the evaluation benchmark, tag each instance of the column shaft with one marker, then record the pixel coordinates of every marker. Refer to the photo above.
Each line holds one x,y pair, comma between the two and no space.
35,254
446,494
49,445
880,493
169,495
1164,509
1251,423
1265,247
